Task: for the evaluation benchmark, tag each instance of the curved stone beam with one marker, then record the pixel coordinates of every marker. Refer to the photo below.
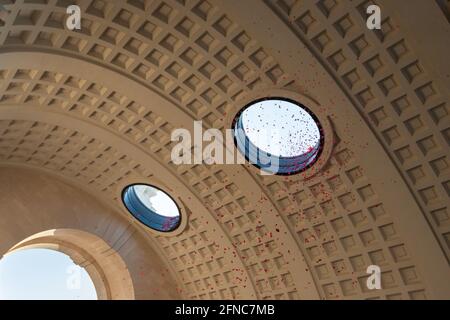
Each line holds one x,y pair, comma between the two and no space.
32,201
297,57
160,172
178,118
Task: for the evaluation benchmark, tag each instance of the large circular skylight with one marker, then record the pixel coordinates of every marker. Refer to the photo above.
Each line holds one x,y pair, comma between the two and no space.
152,206
278,135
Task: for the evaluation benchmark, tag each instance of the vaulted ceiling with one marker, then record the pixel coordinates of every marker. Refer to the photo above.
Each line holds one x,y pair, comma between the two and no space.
97,107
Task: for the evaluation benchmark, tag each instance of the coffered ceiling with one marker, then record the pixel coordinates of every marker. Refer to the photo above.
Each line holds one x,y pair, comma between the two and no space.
97,108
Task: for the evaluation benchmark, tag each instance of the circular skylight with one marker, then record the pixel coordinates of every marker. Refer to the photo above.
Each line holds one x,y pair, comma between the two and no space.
152,207
278,135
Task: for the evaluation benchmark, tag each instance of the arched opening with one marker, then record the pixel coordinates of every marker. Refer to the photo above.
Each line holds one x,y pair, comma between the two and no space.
103,265
117,253
43,274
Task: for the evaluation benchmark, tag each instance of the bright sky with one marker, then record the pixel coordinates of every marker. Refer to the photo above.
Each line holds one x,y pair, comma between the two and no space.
157,200
42,274
280,128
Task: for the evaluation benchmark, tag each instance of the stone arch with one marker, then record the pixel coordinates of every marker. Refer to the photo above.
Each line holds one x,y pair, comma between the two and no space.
121,261
108,271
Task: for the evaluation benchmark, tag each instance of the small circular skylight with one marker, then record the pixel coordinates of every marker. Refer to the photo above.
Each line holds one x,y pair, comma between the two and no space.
278,135
152,206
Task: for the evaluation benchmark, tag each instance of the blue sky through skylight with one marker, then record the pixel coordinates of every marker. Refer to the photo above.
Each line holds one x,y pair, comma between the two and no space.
280,128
